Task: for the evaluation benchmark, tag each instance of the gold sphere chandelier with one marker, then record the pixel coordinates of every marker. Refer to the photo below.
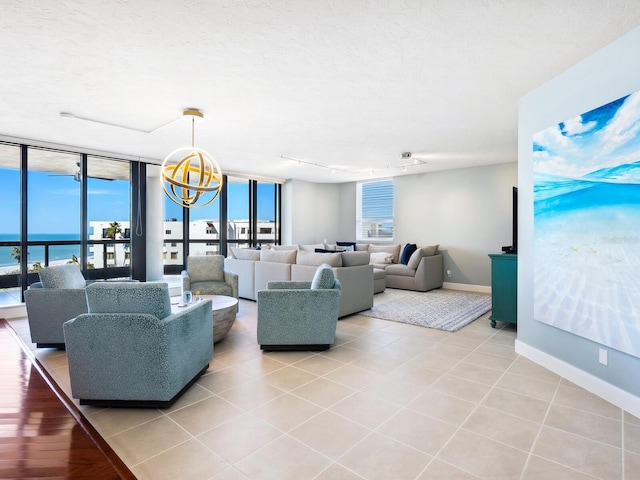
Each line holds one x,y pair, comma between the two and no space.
190,174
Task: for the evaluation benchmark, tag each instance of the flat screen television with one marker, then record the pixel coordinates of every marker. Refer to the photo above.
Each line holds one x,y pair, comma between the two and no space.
513,248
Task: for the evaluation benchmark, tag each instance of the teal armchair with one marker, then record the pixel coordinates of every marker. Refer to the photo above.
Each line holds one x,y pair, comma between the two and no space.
58,296
131,350
299,315
206,274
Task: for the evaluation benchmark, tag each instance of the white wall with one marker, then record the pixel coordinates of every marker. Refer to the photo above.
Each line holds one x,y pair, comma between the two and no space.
310,212
607,75
466,211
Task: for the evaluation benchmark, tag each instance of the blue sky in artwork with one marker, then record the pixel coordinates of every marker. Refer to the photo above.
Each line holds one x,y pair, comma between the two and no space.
606,137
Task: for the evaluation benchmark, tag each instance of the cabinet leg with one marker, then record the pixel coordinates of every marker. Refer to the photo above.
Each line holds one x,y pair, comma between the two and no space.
493,323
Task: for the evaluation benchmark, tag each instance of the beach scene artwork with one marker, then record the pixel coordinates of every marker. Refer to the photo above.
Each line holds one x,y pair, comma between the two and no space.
587,225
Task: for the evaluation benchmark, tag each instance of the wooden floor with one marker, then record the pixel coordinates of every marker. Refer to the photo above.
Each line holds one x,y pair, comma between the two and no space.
42,433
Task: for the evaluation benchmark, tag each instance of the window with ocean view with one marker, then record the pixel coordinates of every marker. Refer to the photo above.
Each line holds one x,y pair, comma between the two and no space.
53,185
108,213
78,210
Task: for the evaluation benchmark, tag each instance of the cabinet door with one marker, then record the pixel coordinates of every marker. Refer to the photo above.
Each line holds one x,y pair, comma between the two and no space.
504,288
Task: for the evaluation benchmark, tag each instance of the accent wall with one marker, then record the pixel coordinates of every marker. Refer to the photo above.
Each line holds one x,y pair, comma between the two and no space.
606,76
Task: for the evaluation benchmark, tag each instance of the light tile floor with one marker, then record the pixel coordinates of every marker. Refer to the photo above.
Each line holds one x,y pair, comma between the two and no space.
388,401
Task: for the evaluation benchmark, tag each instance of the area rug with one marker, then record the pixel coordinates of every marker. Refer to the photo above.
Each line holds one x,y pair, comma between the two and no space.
448,310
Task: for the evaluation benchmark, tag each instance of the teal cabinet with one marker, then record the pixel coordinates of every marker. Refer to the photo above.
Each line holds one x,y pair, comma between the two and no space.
504,288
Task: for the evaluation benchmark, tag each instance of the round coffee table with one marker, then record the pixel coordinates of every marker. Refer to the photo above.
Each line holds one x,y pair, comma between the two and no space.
224,311
224,314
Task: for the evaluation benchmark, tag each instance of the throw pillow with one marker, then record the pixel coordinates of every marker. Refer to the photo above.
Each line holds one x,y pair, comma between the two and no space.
429,251
311,248
347,246
62,276
278,256
323,278
394,249
245,253
407,251
334,259
380,258
284,247
353,259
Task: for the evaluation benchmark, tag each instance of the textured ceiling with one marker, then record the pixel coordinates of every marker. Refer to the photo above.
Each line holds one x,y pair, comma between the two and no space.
349,84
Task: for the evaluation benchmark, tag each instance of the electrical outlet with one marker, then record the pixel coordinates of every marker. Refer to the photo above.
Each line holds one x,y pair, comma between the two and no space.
602,356
448,273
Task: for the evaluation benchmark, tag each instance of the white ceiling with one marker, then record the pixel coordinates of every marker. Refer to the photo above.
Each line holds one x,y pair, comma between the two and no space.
344,83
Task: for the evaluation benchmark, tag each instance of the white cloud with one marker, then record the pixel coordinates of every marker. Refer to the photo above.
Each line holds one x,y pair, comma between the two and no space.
574,126
547,163
623,127
553,140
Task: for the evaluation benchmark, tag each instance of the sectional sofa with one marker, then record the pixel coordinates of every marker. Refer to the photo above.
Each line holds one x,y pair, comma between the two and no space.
257,267
364,270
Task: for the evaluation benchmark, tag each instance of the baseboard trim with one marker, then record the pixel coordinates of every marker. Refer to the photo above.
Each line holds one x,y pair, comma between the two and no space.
610,393
465,287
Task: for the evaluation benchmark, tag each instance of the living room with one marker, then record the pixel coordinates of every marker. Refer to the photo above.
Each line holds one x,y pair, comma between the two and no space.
464,208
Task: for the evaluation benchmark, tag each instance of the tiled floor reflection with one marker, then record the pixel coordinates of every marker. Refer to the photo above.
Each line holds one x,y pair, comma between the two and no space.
388,401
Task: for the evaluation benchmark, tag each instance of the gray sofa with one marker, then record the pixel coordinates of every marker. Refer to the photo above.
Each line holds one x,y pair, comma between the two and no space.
423,271
255,268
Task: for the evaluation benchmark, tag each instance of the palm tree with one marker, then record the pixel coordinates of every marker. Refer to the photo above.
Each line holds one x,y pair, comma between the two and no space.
17,254
114,229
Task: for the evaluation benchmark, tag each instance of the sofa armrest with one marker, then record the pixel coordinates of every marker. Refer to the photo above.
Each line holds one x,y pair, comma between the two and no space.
231,278
274,285
190,330
49,308
429,274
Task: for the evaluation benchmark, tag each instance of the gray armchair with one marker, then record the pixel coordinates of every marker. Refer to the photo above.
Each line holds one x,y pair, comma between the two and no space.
58,296
206,274
130,350
299,315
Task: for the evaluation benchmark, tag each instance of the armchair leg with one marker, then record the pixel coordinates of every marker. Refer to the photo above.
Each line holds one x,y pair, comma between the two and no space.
279,348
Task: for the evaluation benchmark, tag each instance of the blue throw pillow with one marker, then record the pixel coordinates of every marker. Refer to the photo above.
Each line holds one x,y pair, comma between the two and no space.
408,250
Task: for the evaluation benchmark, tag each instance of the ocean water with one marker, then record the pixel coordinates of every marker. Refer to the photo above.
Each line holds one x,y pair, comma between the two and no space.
587,255
36,253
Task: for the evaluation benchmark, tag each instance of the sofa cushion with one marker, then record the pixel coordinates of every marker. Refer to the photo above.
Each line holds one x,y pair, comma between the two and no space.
283,256
352,259
407,251
283,247
334,259
362,247
62,276
380,258
245,253
323,278
393,249
400,270
427,251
